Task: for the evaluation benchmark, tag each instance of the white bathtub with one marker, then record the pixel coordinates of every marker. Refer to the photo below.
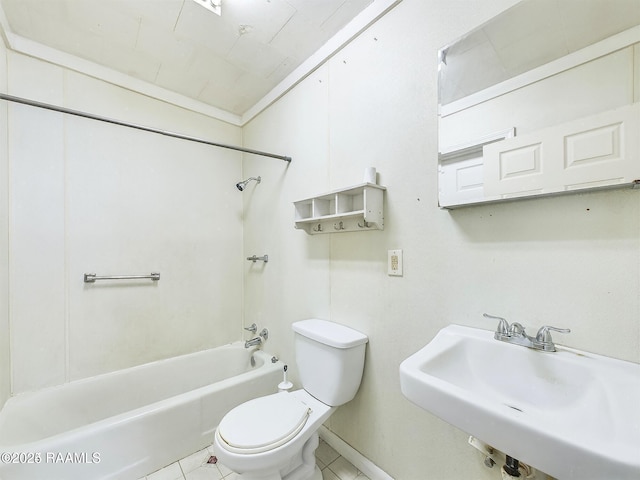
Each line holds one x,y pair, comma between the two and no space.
128,423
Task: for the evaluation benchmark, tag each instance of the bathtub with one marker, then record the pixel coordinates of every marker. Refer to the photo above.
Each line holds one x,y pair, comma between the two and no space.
126,424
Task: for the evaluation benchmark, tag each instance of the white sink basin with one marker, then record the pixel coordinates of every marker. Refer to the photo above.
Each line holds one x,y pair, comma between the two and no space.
570,414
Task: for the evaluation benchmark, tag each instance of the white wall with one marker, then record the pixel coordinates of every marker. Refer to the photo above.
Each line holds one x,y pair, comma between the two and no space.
295,283
92,197
5,367
571,261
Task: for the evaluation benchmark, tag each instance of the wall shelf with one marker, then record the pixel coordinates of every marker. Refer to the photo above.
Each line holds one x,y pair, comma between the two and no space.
355,208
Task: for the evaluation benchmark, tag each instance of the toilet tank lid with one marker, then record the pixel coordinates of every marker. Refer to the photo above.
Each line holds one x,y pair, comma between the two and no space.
329,333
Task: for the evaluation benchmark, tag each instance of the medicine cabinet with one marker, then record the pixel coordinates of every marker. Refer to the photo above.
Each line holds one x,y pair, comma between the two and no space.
543,99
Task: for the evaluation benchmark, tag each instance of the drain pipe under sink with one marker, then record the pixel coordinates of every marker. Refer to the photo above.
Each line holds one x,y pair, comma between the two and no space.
510,468
513,468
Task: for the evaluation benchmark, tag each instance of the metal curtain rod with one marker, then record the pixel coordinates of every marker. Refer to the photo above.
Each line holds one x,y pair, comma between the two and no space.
78,113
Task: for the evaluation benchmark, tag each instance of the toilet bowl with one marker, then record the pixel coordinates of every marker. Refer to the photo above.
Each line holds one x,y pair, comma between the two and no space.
246,441
275,437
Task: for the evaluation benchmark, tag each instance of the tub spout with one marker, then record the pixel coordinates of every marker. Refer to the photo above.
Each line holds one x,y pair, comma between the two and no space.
253,342
257,341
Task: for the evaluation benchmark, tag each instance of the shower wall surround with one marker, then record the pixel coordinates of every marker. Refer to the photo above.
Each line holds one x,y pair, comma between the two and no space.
92,197
572,262
5,366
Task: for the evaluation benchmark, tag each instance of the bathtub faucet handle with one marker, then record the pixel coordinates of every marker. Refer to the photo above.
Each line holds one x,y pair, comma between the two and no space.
257,341
253,328
264,333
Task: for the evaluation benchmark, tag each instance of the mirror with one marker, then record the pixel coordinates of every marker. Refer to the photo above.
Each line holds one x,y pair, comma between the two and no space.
543,99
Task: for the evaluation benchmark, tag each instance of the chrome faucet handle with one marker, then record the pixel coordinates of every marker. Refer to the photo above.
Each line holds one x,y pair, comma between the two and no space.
544,335
253,328
503,325
516,329
264,333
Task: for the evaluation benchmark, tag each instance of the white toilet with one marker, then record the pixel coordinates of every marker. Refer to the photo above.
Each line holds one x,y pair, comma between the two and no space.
275,437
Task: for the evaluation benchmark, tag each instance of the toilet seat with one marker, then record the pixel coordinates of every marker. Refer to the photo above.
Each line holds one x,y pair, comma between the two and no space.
263,424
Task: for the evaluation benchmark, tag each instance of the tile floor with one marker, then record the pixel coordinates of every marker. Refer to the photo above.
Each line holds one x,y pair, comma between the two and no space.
195,467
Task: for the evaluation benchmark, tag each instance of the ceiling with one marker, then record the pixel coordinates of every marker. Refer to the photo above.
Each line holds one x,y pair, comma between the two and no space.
530,34
229,61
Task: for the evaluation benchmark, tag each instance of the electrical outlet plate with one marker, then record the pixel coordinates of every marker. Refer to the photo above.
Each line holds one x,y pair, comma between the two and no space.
394,263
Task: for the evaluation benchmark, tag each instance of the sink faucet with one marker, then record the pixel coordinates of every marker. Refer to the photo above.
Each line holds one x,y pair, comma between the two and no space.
257,341
515,334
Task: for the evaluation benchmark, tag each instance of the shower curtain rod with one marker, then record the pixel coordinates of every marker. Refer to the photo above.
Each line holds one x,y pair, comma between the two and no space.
77,113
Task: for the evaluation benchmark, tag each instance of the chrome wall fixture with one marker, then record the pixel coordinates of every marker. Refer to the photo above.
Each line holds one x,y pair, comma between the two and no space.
241,185
92,277
78,113
254,259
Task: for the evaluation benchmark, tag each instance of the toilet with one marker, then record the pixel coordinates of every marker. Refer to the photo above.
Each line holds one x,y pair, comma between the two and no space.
275,437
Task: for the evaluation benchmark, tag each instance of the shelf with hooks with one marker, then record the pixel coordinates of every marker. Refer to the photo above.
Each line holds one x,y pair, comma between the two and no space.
356,208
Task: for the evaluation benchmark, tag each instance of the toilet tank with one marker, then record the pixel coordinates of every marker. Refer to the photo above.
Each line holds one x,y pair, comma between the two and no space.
330,359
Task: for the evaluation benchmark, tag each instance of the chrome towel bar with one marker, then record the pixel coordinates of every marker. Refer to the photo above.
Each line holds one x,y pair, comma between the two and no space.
92,277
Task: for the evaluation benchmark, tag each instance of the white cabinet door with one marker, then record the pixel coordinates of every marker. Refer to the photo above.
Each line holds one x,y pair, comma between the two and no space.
461,182
597,151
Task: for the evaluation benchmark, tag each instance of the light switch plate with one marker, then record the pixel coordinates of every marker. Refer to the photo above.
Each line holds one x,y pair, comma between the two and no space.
394,263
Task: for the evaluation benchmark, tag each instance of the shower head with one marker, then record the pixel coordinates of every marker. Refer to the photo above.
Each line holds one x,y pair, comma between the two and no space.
240,185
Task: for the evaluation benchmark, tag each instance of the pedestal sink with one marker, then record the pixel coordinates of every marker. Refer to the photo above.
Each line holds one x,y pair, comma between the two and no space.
570,414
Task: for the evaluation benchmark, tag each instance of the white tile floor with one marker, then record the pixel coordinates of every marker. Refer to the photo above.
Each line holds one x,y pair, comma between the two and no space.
195,467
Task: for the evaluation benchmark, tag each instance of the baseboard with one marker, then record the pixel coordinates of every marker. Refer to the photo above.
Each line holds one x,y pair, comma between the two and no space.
358,460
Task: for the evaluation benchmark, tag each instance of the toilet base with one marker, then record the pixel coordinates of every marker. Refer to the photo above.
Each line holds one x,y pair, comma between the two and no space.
302,467
317,474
